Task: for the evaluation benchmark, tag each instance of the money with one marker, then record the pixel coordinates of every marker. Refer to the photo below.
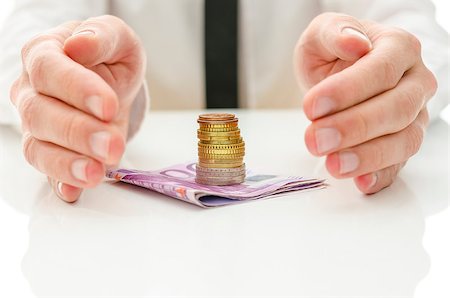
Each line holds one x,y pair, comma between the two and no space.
221,150
180,182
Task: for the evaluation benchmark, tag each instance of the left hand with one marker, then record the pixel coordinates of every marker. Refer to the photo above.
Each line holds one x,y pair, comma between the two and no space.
367,93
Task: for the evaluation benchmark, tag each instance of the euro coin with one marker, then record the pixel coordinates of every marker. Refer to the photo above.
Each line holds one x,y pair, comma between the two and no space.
216,117
221,150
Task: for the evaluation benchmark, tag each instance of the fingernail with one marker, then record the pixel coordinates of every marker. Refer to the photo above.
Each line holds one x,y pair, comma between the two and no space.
327,139
322,106
59,191
99,142
95,105
368,180
79,169
348,162
354,32
374,181
84,32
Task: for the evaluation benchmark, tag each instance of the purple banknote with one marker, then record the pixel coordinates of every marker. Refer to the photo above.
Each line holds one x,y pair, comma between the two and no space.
178,182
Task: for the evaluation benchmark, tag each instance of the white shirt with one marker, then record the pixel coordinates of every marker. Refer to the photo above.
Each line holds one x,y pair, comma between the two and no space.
172,33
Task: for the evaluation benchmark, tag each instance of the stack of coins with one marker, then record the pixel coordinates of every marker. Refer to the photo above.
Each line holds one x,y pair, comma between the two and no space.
221,150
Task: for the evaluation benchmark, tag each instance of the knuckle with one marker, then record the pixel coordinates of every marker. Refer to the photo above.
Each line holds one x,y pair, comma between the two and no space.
334,17
33,42
390,73
415,44
414,139
409,105
36,69
70,128
28,111
14,90
409,40
26,49
431,82
28,150
425,116
378,158
392,173
386,176
360,125
410,43
114,19
324,17
354,128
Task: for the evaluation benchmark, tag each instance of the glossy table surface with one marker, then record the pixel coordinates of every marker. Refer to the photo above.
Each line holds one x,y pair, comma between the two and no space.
124,241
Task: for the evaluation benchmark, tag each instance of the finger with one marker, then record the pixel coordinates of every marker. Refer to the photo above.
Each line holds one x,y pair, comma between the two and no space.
386,113
380,70
65,192
332,36
379,153
53,121
374,182
53,73
105,39
61,164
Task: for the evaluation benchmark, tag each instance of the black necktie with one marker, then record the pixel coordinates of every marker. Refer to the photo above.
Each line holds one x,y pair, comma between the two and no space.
221,26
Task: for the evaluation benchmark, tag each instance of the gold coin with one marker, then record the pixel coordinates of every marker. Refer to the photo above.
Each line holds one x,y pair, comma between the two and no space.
204,125
218,166
221,142
221,156
232,133
221,150
203,138
221,147
216,117
220,161
218,129
221,153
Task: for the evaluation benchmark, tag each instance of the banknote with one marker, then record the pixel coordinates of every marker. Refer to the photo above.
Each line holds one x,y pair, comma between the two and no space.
178,182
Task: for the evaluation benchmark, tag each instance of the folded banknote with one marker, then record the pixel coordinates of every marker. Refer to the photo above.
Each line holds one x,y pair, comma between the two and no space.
178,182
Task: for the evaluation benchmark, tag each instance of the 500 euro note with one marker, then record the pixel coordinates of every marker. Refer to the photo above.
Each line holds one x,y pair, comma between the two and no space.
178,182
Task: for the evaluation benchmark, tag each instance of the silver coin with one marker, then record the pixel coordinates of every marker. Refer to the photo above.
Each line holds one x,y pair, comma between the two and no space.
220,175
219,170
215,181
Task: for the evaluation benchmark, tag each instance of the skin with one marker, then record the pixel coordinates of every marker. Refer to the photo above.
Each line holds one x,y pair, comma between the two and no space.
74,95
79,81
367,92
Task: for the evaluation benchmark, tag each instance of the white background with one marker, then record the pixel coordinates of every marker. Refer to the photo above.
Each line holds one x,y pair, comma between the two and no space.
437,237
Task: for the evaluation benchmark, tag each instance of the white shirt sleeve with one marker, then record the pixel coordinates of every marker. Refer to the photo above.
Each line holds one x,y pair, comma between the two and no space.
416,17
29,18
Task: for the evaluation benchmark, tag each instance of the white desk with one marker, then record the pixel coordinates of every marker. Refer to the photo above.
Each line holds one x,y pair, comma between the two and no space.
126,241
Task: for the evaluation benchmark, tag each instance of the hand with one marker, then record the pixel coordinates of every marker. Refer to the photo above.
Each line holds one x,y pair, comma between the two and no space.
74,96
367,94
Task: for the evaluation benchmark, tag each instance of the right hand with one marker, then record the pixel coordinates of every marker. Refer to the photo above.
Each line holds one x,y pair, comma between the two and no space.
74,97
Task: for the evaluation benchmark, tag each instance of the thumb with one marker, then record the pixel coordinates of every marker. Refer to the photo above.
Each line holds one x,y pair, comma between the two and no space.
65,192
339,36
351,43
106,39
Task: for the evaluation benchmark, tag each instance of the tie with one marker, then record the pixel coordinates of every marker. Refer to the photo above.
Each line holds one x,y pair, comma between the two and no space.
221,53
